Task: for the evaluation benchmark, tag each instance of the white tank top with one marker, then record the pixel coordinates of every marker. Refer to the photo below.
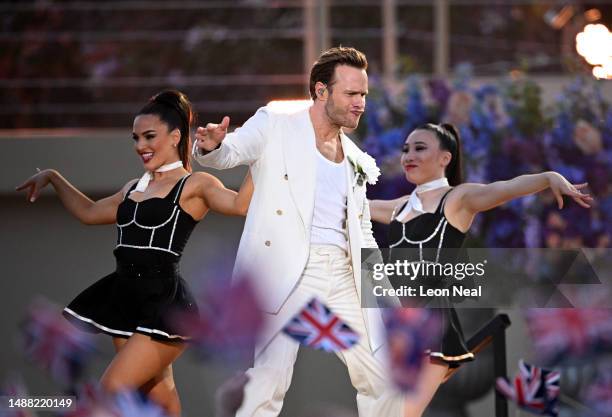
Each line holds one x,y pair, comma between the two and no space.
328,222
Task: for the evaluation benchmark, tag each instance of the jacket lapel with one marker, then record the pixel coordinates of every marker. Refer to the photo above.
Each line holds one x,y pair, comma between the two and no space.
371,316
299,151
350,153
352,215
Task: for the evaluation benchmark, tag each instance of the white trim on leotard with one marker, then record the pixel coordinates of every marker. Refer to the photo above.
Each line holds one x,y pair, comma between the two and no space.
174,216
93,323
121,332
442,223
169,336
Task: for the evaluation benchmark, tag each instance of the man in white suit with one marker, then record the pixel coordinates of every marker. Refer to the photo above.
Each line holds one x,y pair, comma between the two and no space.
307,222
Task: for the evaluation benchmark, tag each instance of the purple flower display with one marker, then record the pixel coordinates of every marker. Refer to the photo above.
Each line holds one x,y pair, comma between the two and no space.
439,91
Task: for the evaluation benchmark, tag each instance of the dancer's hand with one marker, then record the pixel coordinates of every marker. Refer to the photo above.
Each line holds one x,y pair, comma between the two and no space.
35,183
209,137
560,187
230,395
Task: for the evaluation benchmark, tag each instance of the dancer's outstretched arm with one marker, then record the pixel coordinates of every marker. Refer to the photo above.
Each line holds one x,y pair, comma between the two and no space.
223,200
382,210
483,197
86,210
469,199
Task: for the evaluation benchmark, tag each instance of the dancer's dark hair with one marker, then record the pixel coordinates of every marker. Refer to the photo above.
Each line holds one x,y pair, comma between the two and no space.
174,108
449,139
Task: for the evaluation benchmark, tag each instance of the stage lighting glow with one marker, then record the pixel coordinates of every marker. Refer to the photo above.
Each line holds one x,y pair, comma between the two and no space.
594,43
289,106
603,72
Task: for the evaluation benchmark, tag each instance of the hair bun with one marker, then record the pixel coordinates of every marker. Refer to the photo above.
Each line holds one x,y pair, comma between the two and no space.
168,97
178,101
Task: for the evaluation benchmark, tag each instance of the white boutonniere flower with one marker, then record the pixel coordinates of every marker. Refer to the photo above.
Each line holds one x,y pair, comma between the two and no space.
365,169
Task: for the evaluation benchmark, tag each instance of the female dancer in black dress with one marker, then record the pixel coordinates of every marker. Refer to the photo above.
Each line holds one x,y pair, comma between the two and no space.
437,216
155,216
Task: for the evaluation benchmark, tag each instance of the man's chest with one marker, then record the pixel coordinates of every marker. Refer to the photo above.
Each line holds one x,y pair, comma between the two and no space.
330,150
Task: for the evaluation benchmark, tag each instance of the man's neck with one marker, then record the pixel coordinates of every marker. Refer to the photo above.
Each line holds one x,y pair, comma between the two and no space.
325,130
327,135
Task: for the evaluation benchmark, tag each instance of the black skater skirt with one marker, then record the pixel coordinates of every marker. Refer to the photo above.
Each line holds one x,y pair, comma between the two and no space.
451,349
134,299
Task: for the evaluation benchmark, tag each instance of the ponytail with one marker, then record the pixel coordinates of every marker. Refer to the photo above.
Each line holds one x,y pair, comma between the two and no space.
454,170
449,140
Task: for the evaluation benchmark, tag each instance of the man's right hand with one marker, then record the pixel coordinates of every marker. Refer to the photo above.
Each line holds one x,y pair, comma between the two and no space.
209,137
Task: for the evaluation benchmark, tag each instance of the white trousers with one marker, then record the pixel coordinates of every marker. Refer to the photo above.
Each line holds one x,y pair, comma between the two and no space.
328,276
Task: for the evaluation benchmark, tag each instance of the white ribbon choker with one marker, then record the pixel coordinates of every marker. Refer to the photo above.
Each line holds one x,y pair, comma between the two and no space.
414,202
143,182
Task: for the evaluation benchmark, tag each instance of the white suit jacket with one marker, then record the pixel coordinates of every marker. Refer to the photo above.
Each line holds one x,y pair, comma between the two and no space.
281,150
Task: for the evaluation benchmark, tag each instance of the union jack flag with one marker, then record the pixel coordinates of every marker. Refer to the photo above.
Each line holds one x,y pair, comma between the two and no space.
569,332
135,404
94,402
91,402
53,343
14,389
410,331
318,327
228,323
534,389
598,396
